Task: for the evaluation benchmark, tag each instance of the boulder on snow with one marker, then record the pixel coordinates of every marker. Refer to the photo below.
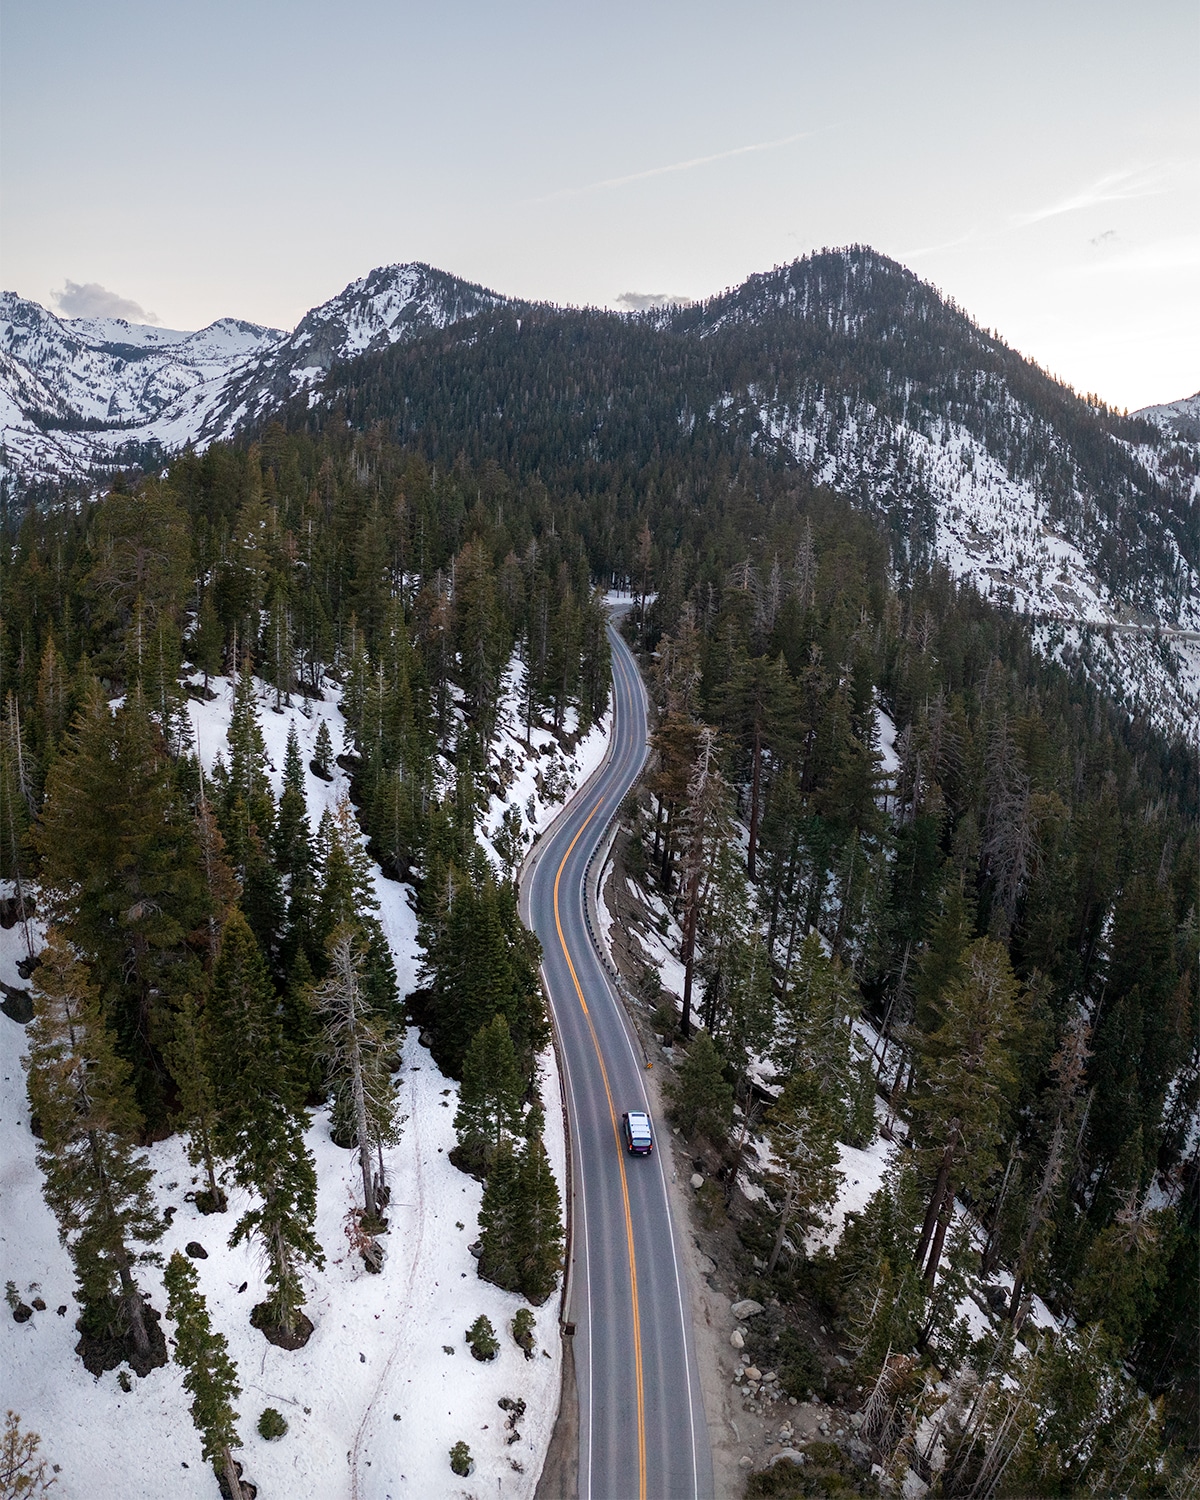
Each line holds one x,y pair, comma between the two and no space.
746,1309
10,910
196,1250
17,1004
282,1338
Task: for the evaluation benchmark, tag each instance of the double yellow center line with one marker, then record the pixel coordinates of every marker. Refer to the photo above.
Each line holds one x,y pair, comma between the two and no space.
637,1322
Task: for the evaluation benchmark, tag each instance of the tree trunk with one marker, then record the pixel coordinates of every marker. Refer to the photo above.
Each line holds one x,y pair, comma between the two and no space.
135,1310
214,1190
231,1473
691,914
1037,1210
665,873
785,1220
362,1129
939,1236
755,779
933,1212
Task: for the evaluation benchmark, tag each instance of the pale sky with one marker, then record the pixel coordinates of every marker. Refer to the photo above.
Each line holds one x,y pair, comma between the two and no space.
1039,162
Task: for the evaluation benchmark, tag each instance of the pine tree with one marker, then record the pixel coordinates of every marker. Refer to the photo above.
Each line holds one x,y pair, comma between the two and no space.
122,876
208,641
883,1293
520,1221
804,1175
302,1032
97,1186
701,1099
499,1220
347,898
966,1080
490,1099
813,1021
280,647
322,761
197,1099
540,1226
1125,1265
480,963
357,1046
16,806
707,823
22,1472
292,838
210,1376
259,1127
247,748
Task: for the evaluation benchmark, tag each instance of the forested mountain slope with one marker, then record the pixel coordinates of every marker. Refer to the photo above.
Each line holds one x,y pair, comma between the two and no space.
1010,907
847,371
842,368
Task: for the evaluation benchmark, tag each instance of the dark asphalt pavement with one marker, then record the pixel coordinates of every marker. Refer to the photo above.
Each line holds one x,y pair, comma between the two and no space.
642,1432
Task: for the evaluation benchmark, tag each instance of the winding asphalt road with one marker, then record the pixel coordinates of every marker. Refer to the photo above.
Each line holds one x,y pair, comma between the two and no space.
642,1432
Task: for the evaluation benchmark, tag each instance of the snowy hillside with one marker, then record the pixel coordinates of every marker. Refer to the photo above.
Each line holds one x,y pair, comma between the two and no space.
1179,418
88,393
843,364
998,530
386,1385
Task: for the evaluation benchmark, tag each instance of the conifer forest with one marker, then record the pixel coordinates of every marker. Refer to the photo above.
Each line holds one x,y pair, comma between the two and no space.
933,892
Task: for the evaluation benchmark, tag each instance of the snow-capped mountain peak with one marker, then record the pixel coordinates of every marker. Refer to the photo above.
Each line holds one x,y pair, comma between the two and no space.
77,395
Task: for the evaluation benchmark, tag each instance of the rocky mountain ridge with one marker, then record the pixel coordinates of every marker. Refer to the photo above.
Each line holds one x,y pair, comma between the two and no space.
79,397
842,365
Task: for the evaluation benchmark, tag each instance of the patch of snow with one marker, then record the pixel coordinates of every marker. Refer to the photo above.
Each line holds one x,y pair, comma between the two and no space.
372,1402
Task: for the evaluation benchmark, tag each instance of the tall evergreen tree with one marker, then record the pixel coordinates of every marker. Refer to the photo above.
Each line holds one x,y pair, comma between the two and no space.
96,1184
701,1099
539,1216
122,875
357,1047
804,1174
210,1376
966,1082
520,1221
490,1098
259,1127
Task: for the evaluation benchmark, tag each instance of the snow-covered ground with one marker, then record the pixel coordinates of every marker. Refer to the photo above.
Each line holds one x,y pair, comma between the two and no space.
995,529
386,1385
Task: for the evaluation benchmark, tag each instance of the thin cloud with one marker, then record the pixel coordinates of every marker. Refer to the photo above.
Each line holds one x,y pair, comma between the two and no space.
91,300
677,166
1115,187
954,244
647,301
1176,253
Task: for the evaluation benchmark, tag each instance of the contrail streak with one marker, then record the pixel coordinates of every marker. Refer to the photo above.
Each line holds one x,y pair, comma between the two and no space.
676,166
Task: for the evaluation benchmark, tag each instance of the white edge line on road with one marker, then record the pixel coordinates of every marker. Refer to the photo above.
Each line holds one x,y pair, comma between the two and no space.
580,1190
689,1352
